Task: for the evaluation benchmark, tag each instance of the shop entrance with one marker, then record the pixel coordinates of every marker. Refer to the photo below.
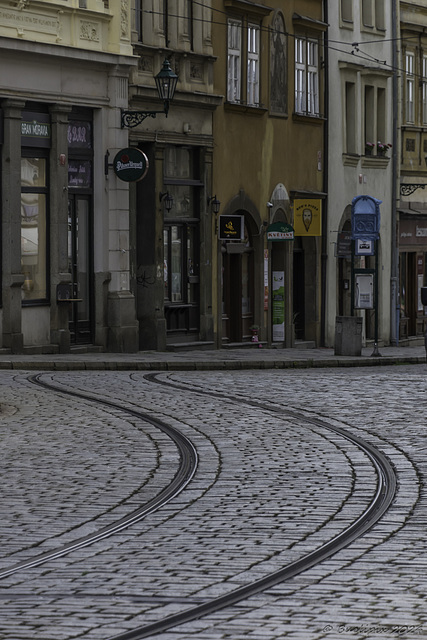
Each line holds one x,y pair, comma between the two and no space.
238,291
299,290
80,268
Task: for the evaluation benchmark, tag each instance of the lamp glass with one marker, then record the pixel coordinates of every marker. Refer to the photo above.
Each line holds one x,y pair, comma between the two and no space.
166,81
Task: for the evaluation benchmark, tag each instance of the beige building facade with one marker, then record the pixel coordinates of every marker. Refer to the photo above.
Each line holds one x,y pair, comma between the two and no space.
65,215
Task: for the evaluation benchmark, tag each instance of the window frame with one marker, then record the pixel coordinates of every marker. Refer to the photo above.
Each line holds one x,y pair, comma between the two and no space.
244,61
28,153
410,114
307,76
234,60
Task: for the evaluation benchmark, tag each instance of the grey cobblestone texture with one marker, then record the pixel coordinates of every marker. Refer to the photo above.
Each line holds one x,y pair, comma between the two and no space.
269,487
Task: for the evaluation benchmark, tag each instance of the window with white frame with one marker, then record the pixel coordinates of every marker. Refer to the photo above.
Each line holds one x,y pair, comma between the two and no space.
424,83
234,56
253,65
409,87
306,76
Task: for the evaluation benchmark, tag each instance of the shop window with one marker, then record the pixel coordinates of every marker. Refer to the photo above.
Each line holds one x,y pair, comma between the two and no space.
306,76
34,209
181,240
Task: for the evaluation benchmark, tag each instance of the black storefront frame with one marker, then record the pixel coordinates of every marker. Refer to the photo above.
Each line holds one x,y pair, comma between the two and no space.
80,186
36,142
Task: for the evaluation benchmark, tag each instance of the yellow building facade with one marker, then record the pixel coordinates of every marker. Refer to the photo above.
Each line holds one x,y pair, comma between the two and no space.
268,167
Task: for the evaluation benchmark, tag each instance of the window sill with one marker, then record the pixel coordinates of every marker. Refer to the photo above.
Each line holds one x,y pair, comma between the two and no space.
244,108
350,159
375,162
308,119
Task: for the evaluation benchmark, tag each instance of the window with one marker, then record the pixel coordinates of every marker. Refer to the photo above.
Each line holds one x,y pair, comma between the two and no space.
138,19
350,117
306,76
242,38
373,14
234,60
424,83
375,119
34,252
181,240
409,87
347,10
253,65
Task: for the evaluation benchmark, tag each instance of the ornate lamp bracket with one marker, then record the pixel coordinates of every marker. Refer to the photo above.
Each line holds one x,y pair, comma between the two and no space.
407,189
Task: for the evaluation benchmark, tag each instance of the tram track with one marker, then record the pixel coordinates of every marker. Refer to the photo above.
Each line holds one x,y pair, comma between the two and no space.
185,472
383,497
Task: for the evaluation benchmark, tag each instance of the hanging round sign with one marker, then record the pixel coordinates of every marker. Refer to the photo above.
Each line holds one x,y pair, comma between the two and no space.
130,165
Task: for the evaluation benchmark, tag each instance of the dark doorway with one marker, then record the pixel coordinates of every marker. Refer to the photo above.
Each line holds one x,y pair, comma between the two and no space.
299,291
238,291
80,267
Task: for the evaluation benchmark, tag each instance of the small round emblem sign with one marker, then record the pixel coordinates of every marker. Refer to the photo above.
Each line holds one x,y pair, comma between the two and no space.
130,165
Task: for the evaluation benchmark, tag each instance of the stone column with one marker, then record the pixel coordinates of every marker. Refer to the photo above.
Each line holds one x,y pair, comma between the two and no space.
59,272
12,276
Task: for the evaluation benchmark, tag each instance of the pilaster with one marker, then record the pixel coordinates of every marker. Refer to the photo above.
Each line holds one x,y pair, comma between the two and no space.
12,276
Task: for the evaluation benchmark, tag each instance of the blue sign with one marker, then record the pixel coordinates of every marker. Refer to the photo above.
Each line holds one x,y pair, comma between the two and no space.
365,218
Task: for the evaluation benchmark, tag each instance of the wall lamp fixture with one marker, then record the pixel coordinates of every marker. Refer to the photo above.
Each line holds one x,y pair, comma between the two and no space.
168,200
166,81
215,204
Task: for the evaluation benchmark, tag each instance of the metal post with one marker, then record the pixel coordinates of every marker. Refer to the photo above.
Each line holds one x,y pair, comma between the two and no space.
375,352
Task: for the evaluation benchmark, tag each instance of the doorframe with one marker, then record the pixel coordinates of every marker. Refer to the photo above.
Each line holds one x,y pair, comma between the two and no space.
242,204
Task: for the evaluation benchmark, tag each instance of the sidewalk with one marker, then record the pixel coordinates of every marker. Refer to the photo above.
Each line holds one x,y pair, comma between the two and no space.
245,358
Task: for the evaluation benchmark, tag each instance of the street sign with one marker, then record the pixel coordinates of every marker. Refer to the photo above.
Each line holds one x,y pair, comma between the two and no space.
365,218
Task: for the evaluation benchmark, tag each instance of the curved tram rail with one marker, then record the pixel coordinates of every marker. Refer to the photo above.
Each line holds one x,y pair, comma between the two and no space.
384,494
184,474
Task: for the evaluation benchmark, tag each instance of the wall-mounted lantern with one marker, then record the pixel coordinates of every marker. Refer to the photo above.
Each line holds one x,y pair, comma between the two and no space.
166,81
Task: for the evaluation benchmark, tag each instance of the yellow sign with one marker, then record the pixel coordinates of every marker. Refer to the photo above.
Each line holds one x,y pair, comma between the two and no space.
308,217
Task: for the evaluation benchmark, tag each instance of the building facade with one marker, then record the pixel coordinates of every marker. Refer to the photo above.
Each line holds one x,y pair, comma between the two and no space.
361,156
65,217
269,170
171,248
412,199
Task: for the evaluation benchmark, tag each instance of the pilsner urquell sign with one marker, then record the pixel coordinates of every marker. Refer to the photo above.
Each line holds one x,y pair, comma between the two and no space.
130,165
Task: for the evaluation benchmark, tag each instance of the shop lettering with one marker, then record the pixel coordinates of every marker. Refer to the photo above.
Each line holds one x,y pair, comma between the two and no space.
77,134
35,129
123,166
421,232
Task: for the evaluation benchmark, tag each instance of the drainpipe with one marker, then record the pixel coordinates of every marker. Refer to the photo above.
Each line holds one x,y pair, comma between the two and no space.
394,280
324,257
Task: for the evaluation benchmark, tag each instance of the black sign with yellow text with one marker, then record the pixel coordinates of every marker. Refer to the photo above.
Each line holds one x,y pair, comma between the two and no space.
231,227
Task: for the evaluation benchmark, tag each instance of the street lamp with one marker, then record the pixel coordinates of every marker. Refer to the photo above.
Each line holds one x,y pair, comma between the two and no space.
167,199
215,204
166,81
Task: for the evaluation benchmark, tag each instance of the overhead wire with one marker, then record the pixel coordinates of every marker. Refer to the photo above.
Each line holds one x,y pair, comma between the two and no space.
355,52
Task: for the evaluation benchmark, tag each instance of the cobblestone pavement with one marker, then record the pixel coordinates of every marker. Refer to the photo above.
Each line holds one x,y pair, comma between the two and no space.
269,488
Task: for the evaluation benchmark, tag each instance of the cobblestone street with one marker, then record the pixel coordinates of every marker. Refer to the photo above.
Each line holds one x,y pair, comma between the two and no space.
269,487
